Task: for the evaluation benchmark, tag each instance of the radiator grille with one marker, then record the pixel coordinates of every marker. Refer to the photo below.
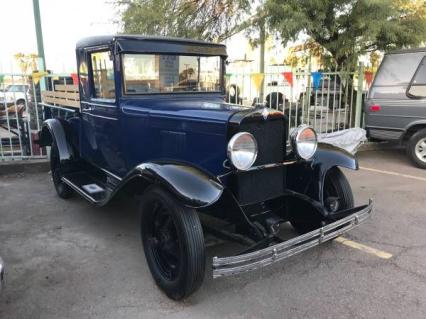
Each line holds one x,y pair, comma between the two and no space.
256,186
270,140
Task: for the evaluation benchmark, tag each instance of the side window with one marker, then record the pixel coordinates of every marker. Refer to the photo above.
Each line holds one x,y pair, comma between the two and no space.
417,87
103,75
391,72
84,83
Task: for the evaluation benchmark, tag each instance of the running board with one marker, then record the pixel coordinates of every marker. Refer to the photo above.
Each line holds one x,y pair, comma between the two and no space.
85,185
226,266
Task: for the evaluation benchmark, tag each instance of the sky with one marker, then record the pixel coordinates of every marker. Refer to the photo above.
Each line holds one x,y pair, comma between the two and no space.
64,22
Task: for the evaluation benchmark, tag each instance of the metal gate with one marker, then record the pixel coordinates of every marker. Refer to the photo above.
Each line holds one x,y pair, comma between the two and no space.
22,113
20,117
327,101
329,104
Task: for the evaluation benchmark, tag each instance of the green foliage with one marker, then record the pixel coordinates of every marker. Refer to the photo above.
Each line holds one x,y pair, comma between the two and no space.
349,28
212,20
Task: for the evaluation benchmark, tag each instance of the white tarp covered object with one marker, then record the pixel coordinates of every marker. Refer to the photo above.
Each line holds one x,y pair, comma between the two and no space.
349,139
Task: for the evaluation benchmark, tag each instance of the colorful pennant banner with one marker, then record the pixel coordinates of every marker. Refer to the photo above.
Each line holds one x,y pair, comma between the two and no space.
368,76
37,75
288,76
74,78
316,79
257,79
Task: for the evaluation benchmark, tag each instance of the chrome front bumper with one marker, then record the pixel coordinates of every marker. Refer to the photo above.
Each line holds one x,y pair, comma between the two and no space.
226,266
1,274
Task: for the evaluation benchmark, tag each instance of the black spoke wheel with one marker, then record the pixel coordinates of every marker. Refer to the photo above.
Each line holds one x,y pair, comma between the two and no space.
57,169
173,242
337,196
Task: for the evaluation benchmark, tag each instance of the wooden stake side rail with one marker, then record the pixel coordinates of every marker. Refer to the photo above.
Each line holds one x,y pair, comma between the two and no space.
64,95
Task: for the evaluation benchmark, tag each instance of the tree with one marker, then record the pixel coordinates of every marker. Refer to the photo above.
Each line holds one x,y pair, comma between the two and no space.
26,62
350,28
211,20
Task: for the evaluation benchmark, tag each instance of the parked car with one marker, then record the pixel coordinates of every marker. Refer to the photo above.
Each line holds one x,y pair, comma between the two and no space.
189,153
395,109
328,93
14,94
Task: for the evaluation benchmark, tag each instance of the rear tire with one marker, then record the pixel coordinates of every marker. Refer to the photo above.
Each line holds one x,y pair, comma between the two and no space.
337,195
416,148
57,169
173,242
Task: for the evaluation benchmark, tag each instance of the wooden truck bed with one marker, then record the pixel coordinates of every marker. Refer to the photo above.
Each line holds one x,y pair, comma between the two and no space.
63,95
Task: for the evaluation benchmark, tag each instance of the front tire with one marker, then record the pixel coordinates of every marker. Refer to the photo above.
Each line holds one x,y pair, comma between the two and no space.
173,242
337,195
416,148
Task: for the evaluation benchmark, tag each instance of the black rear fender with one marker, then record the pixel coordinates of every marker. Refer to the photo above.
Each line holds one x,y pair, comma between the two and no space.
57,131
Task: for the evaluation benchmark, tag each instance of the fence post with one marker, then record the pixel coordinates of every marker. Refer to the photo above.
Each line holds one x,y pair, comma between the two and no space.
358,106
308,92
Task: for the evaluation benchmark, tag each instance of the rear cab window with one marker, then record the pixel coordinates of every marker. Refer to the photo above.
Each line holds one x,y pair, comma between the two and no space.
102,68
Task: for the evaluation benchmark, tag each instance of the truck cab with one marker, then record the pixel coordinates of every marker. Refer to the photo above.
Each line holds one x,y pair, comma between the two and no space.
152,122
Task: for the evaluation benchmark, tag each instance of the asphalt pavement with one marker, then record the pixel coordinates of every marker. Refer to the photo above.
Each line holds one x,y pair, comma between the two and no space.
68,259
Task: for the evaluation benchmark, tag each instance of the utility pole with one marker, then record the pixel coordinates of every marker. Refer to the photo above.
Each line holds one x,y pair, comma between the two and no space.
39,35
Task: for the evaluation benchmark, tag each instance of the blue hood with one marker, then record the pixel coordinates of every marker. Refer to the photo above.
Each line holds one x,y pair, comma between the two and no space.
192,129
212,109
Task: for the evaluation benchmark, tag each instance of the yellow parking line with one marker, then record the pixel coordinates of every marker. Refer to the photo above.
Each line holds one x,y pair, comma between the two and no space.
393,173
365,248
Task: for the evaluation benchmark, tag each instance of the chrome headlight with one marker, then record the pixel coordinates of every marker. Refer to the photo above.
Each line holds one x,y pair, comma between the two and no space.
304,141
242,150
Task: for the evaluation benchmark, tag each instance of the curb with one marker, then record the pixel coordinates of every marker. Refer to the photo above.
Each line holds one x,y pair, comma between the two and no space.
24,166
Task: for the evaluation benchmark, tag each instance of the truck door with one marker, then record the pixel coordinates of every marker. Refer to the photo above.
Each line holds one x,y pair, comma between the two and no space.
100,138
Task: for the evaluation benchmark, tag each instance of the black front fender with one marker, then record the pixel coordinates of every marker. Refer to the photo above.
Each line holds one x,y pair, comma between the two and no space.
308,177
53,130
192,186
328,156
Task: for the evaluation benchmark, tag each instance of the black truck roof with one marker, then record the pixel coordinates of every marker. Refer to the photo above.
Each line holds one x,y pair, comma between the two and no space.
143,43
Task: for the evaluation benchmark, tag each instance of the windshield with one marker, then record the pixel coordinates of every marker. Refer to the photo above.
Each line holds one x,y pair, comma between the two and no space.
16,88
155,73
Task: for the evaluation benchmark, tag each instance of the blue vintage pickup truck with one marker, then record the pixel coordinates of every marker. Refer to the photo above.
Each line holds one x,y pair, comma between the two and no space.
153,123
